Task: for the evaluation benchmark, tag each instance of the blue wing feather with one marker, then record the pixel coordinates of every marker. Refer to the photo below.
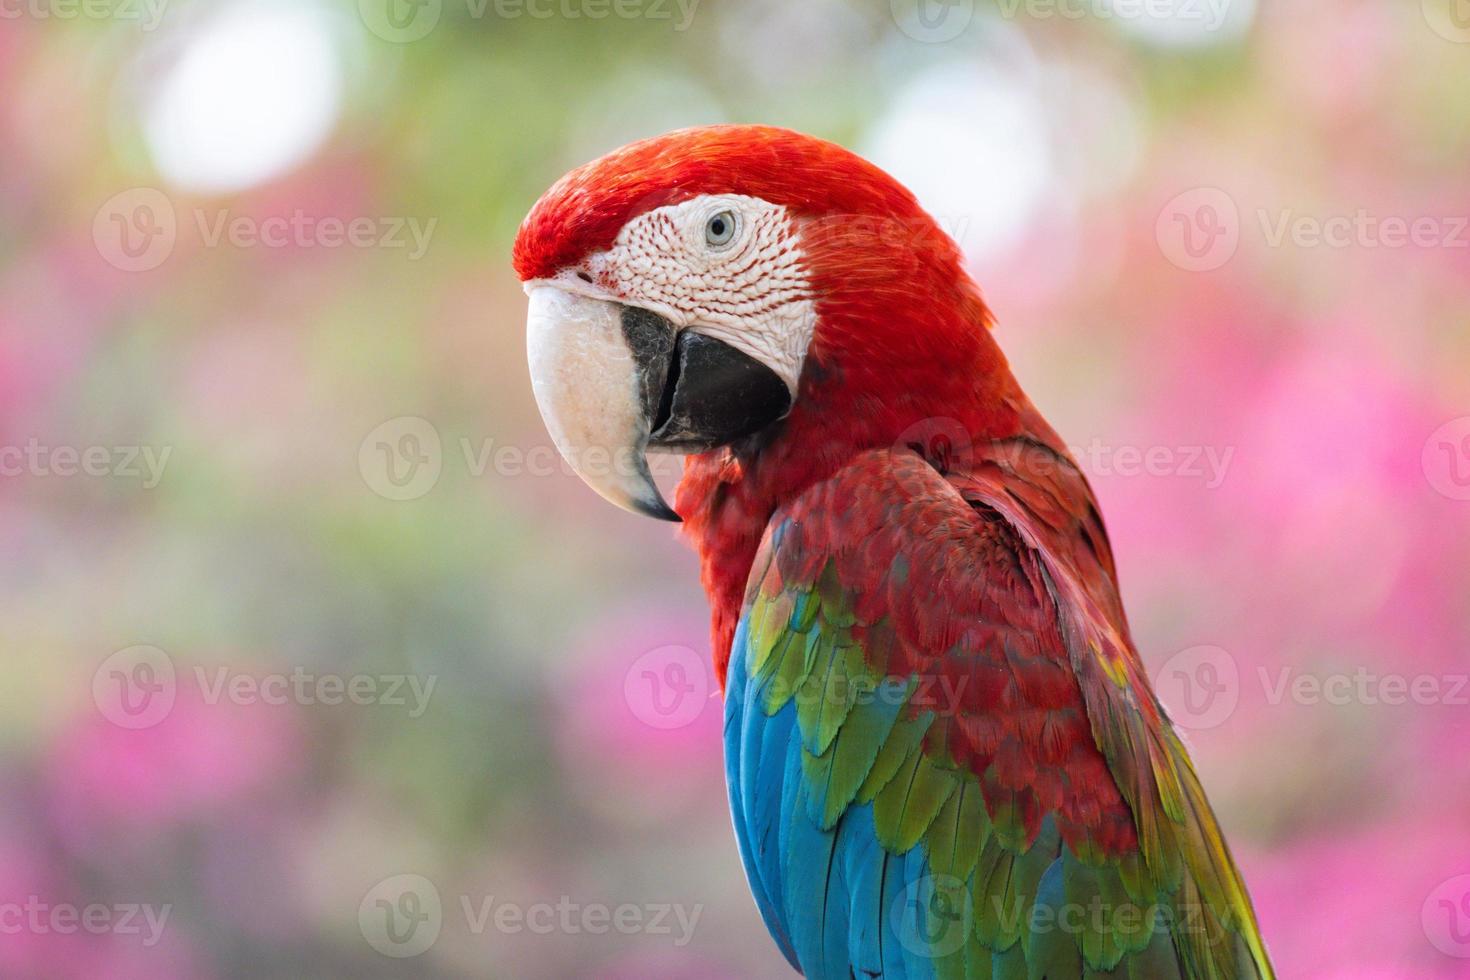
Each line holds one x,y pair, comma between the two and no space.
754,774
832,899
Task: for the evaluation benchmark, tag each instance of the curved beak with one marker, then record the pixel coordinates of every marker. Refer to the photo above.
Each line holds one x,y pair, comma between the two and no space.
614,382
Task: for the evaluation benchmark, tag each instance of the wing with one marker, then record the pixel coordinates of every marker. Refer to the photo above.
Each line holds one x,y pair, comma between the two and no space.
944,759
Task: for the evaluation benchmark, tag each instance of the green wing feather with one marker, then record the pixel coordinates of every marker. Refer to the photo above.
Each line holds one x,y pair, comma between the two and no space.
1011,817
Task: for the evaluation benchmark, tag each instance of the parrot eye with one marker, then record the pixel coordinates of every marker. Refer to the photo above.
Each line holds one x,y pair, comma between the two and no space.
719,231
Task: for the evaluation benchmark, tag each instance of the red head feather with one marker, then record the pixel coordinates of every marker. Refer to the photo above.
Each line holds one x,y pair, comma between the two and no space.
900,341
583,212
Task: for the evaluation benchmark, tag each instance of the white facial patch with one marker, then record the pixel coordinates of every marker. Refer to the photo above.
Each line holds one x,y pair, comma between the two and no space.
744,285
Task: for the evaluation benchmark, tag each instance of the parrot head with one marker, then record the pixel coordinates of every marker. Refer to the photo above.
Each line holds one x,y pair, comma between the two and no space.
728,288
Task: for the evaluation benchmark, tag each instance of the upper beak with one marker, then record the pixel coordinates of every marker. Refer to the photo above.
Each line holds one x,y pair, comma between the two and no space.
614,381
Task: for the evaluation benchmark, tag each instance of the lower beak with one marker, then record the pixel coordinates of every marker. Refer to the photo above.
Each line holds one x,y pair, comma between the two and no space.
614,381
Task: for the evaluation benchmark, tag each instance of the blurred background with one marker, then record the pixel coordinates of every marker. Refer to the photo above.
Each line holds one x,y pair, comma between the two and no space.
320,664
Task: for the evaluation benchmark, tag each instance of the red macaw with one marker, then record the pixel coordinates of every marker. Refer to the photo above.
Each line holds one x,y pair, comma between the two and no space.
943,754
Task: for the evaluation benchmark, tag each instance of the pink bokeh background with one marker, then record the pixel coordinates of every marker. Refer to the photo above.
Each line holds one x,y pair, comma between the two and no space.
1294,554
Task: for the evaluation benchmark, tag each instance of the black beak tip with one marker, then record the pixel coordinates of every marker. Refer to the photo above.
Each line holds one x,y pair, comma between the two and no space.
657,508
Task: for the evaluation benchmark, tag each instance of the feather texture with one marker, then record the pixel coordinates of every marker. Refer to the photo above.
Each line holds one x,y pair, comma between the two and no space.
976,780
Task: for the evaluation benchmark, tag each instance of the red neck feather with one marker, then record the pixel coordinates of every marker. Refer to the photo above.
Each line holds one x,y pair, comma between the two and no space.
902,352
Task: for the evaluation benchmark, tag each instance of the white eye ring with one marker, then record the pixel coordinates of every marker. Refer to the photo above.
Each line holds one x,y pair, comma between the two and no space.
720,229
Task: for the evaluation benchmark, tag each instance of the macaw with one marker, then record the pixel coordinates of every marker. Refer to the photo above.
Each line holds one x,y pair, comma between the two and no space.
943,754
